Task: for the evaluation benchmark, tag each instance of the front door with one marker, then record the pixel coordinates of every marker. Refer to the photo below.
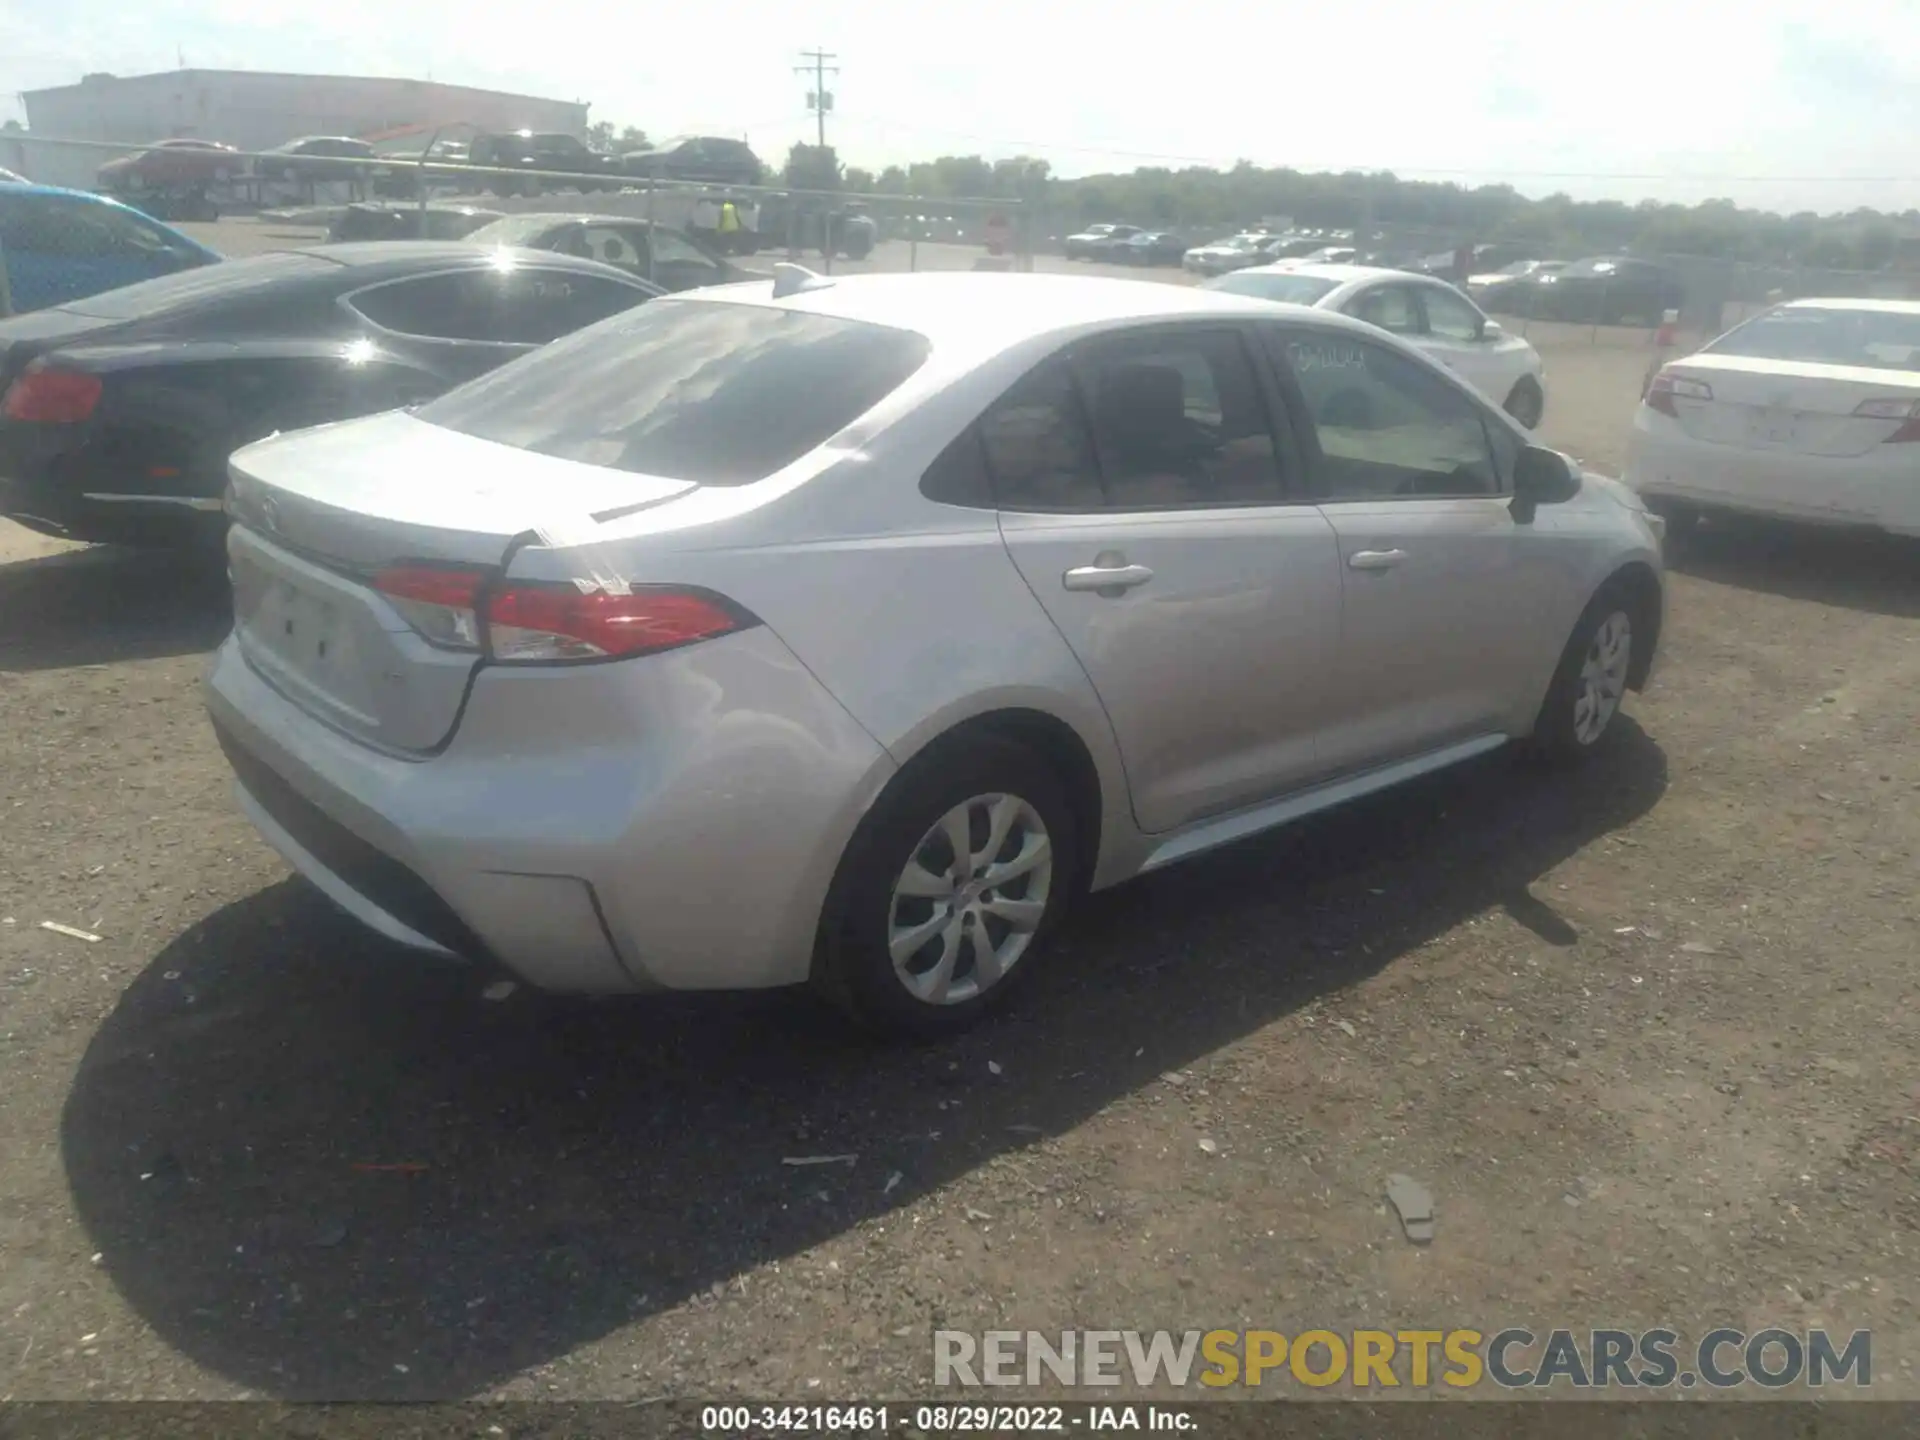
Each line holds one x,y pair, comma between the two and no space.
1145,499
1441,589
1457,335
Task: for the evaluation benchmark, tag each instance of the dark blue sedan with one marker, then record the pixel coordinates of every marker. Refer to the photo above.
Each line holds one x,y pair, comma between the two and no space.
62,245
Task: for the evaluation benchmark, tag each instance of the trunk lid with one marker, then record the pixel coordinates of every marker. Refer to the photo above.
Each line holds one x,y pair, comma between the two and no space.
318,513
24,338
1791,407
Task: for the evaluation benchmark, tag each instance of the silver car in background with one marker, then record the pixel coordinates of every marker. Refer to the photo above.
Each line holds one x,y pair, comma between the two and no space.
843,631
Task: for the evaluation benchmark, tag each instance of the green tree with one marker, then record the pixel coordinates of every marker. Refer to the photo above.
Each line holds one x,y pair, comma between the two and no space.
860,182
601,135
812,167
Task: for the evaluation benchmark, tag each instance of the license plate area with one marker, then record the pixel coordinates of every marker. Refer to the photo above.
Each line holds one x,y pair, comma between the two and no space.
306,633
1774,428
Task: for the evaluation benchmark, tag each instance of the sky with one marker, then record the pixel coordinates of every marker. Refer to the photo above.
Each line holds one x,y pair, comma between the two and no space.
1780,104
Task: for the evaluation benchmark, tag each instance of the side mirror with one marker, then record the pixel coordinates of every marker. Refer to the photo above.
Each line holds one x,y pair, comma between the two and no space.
1490,330
1542,477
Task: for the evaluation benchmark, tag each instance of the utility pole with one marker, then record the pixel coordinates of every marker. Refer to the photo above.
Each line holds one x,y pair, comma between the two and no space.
819,99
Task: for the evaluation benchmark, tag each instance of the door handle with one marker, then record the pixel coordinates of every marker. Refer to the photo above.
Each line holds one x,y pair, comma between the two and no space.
1375,559
1106,579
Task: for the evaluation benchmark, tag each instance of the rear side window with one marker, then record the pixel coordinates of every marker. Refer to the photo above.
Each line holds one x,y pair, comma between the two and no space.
1037,447
719,394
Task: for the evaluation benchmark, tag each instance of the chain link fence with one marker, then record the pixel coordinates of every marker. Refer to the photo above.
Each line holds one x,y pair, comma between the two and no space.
425,194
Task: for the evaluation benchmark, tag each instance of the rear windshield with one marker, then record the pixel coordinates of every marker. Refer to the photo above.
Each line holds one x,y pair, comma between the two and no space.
1293,289
715,393
227,280
1875,339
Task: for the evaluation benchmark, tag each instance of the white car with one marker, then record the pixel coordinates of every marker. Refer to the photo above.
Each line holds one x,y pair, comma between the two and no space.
1428,314
1810,411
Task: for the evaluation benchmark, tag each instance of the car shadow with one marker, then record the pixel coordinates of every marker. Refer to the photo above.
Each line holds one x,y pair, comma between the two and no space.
1879,574
103,604
308,1160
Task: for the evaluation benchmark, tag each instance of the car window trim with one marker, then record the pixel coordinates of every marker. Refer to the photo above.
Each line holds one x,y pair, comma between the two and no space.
1297,405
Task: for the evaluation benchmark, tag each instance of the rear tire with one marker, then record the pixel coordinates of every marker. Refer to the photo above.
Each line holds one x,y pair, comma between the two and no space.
1526,402
912,944
1582,705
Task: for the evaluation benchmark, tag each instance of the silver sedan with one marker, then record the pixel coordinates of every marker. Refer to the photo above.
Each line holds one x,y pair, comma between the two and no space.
843,631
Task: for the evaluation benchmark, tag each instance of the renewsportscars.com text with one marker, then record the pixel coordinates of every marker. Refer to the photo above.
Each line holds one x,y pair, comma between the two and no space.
1512,1358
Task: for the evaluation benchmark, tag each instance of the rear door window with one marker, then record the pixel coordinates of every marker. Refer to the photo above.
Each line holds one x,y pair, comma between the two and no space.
715,393
1179,419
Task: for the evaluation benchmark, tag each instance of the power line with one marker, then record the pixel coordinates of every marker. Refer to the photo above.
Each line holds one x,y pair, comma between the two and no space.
819,99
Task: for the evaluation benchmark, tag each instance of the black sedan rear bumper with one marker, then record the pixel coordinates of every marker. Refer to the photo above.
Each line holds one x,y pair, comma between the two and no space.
108,484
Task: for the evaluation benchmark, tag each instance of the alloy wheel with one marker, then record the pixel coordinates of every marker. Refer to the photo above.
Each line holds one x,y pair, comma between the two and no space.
970,898
1603,677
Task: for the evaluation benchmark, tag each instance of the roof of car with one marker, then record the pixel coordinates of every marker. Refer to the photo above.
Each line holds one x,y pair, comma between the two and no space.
409,253
1338,274
997,308
572,217
29,188
1843,302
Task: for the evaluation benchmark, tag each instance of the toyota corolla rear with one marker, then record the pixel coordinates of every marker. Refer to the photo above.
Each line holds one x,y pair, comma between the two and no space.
496,683
1809,412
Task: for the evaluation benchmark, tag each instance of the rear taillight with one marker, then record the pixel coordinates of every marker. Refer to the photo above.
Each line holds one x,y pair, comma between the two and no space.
1894,408
52,397
536,623
1668,387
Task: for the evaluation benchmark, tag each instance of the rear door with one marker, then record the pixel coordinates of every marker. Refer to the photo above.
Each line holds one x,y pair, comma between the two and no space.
1152,508
1443,595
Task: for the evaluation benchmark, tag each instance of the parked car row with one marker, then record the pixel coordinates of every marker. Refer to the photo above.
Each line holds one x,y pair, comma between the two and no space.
180,170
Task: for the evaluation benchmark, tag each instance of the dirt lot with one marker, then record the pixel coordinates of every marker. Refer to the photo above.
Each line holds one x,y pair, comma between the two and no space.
1647,1032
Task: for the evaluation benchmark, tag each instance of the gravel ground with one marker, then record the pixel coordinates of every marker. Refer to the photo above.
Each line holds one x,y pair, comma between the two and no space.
1646,1031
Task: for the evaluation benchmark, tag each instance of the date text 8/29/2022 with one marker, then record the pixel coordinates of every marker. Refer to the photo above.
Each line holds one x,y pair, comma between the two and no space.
959,1419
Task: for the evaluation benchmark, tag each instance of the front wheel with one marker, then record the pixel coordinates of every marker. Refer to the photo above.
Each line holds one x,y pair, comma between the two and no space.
948,891
1583,699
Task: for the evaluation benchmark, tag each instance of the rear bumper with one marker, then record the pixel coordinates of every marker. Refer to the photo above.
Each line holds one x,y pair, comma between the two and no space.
103,509
1879,491
667,823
